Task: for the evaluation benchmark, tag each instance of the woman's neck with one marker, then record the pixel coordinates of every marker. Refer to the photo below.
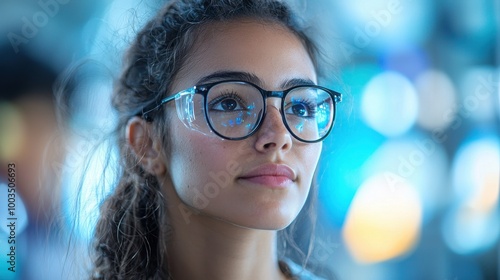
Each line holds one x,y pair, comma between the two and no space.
207,248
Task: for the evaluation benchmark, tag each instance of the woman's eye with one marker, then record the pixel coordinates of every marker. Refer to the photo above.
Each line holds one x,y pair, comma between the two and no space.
301,109
227,103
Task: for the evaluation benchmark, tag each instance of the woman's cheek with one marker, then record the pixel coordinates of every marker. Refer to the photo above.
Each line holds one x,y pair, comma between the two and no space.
196,166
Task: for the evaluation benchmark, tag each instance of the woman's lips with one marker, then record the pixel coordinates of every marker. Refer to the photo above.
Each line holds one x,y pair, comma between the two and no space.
270,175
269,180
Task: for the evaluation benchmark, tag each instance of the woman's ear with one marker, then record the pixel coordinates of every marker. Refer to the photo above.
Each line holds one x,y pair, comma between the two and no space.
147,148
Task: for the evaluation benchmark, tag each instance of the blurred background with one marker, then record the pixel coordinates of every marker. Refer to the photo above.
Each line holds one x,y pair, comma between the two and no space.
409,178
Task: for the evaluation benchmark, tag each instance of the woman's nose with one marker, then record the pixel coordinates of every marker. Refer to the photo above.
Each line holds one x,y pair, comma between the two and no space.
273,135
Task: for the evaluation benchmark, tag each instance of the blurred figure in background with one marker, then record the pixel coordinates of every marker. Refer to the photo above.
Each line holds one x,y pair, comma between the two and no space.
30,139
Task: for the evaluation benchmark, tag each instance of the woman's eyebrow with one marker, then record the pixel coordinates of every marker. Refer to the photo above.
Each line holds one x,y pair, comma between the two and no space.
230,75
297,82
250,77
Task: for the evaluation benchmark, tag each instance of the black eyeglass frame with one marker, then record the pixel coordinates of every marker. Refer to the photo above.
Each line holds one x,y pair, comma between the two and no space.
205,88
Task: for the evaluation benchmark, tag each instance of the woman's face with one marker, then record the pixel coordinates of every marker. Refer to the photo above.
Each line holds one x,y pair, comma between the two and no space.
263,181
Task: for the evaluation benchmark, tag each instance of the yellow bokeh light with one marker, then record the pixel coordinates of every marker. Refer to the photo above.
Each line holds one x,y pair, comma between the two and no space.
485,199
12,131
384,220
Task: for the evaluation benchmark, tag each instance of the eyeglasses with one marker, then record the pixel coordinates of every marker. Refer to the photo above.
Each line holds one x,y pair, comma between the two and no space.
235,110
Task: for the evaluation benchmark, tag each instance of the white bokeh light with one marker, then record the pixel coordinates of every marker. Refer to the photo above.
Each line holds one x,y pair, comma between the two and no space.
389,104
473,225
476,173
437,100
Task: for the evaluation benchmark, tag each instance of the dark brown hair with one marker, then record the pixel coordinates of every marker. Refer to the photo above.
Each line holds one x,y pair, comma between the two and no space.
130,238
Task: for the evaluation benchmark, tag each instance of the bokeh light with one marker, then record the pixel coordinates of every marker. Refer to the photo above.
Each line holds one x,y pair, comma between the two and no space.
12,131
476,174
467,231
389,104
437,100
383,222
473,224
418,160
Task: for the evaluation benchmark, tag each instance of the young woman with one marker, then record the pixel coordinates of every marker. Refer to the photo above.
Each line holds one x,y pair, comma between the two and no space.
220,130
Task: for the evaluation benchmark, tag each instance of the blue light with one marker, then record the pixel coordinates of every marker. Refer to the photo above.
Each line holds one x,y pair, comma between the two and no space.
344,154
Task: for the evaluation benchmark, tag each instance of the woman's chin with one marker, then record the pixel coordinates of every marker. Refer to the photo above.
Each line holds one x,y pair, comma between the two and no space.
272,220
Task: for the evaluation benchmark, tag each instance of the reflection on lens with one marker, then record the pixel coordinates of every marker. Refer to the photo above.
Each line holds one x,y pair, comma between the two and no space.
234,109
315,117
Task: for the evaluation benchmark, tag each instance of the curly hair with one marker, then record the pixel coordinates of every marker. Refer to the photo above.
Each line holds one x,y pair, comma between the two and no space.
131,234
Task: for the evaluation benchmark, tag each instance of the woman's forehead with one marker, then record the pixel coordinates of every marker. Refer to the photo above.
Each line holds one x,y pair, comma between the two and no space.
266,49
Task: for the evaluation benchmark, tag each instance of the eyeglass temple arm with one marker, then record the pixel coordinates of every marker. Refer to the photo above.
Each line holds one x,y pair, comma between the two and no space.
145,111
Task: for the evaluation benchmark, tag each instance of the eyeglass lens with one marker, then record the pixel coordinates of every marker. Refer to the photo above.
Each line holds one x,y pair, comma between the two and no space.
235,109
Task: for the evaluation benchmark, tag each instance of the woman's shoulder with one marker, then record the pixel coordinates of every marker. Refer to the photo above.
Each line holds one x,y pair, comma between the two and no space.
296,271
